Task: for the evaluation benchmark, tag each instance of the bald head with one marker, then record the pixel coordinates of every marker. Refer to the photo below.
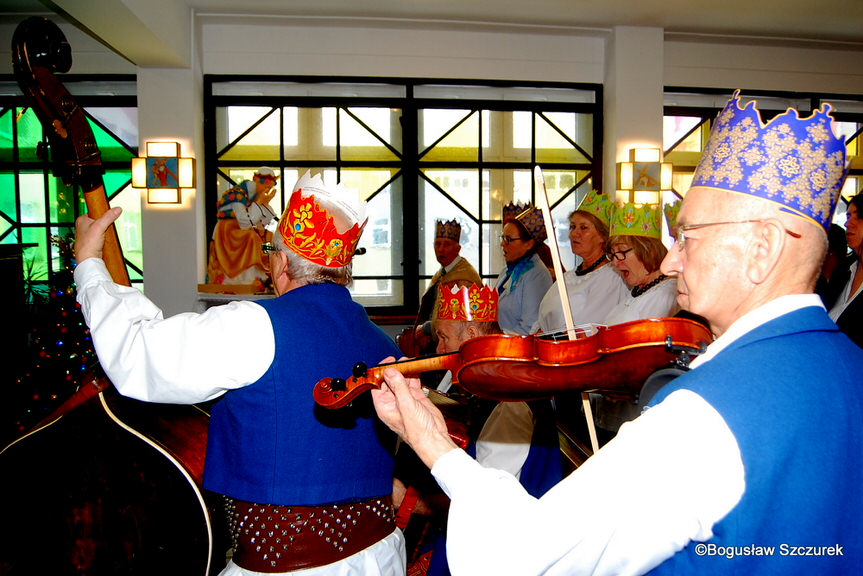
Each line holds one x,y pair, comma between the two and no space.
757,254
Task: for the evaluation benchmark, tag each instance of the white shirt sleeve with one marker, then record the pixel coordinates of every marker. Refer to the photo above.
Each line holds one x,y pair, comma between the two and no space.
665,480
183,359
504,441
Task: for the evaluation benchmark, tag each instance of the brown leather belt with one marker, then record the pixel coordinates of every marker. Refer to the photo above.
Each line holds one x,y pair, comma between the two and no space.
270,538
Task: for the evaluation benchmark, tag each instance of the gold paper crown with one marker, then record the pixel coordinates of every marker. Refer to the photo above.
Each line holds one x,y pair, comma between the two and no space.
530,217
448,229
467,303
599,205
628,219
799,163
671,212
308,227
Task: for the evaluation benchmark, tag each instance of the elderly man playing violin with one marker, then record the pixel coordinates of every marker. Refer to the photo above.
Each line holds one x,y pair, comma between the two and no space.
305,492
751,462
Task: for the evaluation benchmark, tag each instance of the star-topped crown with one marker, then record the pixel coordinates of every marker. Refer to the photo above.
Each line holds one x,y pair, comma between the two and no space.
628,219
448,229
799,163
472,303
599,205
311,221
530,217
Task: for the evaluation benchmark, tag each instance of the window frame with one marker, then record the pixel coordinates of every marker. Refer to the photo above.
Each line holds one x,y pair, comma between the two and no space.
410,165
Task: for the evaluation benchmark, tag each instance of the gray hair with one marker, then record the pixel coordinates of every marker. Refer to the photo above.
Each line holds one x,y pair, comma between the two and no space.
306,272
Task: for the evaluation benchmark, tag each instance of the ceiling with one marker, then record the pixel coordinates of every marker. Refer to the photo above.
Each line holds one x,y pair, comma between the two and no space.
832,22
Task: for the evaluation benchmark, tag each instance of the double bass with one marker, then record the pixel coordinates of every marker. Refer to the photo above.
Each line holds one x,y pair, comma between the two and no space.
105,485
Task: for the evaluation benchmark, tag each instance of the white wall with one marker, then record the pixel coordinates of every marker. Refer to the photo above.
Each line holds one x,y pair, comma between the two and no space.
634,64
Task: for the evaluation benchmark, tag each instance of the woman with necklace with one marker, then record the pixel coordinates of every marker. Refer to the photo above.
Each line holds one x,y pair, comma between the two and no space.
636,250
594,287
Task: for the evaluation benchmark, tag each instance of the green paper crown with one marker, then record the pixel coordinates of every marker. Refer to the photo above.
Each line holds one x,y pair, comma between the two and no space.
600,205
636,220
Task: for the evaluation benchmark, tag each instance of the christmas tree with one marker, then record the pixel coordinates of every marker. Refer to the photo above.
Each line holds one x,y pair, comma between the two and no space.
58,356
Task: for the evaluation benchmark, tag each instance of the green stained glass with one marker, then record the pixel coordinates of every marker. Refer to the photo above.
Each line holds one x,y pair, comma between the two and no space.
6,232
8,197
6,143
63,200
36,257
111,148
29,136
115,181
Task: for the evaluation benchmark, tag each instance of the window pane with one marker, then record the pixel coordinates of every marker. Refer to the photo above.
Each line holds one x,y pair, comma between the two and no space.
262,139
32,198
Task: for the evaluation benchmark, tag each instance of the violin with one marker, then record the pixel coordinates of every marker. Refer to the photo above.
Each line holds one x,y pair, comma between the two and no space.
512,368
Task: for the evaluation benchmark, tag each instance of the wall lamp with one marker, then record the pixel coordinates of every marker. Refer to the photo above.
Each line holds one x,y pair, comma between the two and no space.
644,177
163,173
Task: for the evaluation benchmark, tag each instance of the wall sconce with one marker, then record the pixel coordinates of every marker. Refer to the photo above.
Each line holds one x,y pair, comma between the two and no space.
163,173
645,176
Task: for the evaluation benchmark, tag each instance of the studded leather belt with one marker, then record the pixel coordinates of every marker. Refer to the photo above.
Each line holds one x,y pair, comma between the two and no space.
268,538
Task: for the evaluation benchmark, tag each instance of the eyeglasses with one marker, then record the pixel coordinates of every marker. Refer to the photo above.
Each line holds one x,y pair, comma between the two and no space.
619,256
680,238
509,240
268,248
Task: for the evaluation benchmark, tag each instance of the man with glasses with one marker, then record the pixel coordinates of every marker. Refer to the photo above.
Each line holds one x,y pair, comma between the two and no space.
751,462
305,491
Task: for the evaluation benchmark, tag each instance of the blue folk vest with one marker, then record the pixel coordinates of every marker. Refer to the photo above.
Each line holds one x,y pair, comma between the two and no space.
270,443
790,392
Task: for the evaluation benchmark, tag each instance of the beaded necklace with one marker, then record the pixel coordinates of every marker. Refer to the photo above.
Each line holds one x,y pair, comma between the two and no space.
579,271
639,290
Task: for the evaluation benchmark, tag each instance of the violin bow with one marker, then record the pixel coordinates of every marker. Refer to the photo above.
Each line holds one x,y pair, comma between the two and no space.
545,208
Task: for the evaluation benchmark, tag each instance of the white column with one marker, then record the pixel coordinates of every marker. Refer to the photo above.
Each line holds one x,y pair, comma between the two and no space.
633,95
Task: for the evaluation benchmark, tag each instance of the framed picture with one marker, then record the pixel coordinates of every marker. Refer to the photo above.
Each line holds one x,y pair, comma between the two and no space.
162,172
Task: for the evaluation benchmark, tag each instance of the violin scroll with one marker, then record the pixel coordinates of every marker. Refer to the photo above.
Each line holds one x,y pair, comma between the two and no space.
338,392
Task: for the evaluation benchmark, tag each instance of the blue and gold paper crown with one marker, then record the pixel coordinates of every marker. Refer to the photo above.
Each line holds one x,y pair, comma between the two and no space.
600,205
799,163
448,229
530,217
628,219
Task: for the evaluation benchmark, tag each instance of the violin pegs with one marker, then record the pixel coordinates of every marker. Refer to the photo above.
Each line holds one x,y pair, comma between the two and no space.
359,370
338,385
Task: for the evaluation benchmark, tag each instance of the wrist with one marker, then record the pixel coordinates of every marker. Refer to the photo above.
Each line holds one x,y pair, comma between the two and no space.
431,447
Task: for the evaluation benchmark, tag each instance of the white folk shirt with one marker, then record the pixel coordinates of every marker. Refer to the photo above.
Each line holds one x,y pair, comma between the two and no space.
632,505
139,350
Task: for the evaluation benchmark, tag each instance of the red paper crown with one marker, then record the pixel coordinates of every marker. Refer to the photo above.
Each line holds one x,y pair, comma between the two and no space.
471,304
308,229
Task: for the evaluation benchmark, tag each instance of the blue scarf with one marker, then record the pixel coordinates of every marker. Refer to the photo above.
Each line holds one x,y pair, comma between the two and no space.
515,270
